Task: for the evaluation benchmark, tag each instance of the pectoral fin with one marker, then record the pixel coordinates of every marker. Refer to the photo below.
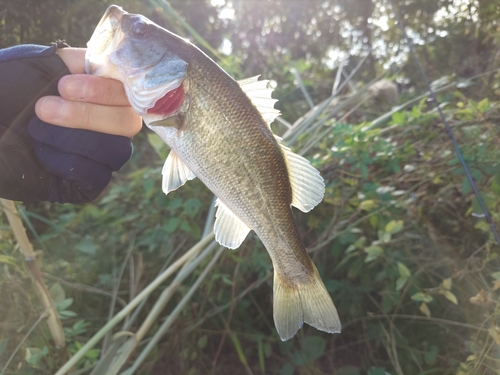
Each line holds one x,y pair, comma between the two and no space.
229,230
172,122
175,173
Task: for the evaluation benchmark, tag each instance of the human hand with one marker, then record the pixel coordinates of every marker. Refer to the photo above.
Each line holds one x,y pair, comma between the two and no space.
72,162
88,102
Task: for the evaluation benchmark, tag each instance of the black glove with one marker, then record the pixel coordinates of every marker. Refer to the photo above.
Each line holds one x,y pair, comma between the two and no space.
40,161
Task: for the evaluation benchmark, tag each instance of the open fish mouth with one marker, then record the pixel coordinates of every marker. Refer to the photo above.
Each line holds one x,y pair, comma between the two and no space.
152,80
105,39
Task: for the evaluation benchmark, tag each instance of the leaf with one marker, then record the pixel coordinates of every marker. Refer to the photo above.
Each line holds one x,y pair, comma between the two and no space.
400,282
174,204
93,353
496,284
333,285
494,332
465,185
63,305
367,205
11,261
377,371
389,300
470,358
67,314
239,349
422,297
447,283
287,369
496,275
313,346
80,327
359,243
355,268
299,358
192,206
87,246
483,105
57,292
394,226
398,118
403,270
449,296
384,236
424,309
495,185
172,225
431,355
373,253
348,370
33,355
483,298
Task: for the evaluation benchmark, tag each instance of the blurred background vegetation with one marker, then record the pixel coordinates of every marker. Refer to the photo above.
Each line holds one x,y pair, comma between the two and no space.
399,239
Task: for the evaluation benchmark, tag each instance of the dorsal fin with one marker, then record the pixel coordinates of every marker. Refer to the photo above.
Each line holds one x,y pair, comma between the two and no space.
308,187
259,93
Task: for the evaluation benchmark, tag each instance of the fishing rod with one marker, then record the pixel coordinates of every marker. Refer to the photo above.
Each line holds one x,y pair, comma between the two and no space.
447,127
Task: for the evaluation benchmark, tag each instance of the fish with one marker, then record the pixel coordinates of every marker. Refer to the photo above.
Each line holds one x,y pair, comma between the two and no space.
218,130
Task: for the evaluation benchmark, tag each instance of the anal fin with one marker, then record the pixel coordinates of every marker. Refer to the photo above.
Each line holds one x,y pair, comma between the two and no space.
295,304
229,230
175,173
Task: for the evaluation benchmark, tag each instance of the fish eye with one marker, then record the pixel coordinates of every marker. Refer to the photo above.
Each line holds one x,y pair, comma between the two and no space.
140,29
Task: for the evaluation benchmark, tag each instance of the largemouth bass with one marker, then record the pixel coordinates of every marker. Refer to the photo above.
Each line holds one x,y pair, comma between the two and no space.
219,131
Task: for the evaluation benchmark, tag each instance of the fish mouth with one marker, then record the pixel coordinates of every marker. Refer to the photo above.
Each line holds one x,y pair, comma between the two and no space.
105,39
152,78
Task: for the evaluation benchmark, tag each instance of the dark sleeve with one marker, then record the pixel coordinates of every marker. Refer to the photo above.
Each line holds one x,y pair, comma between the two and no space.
40,161
27,73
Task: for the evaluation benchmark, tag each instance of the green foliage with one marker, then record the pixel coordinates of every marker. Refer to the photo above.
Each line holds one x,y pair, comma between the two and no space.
399,239
403,249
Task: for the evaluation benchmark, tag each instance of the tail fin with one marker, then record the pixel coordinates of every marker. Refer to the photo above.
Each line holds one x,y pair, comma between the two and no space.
306,302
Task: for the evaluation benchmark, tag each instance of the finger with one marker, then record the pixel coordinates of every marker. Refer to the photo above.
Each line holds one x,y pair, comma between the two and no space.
104,119
87,88
74,58
112,151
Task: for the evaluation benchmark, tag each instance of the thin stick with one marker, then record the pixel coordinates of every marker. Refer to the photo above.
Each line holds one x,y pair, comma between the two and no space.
169,292
84,288
42,316
127,309
53,321
173,315
116,287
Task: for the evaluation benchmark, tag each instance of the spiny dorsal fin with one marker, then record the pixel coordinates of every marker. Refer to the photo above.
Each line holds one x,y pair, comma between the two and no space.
259,93
308,187
229,230
175,173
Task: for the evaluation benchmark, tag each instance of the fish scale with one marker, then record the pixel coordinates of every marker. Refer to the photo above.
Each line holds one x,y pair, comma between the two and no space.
218,134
